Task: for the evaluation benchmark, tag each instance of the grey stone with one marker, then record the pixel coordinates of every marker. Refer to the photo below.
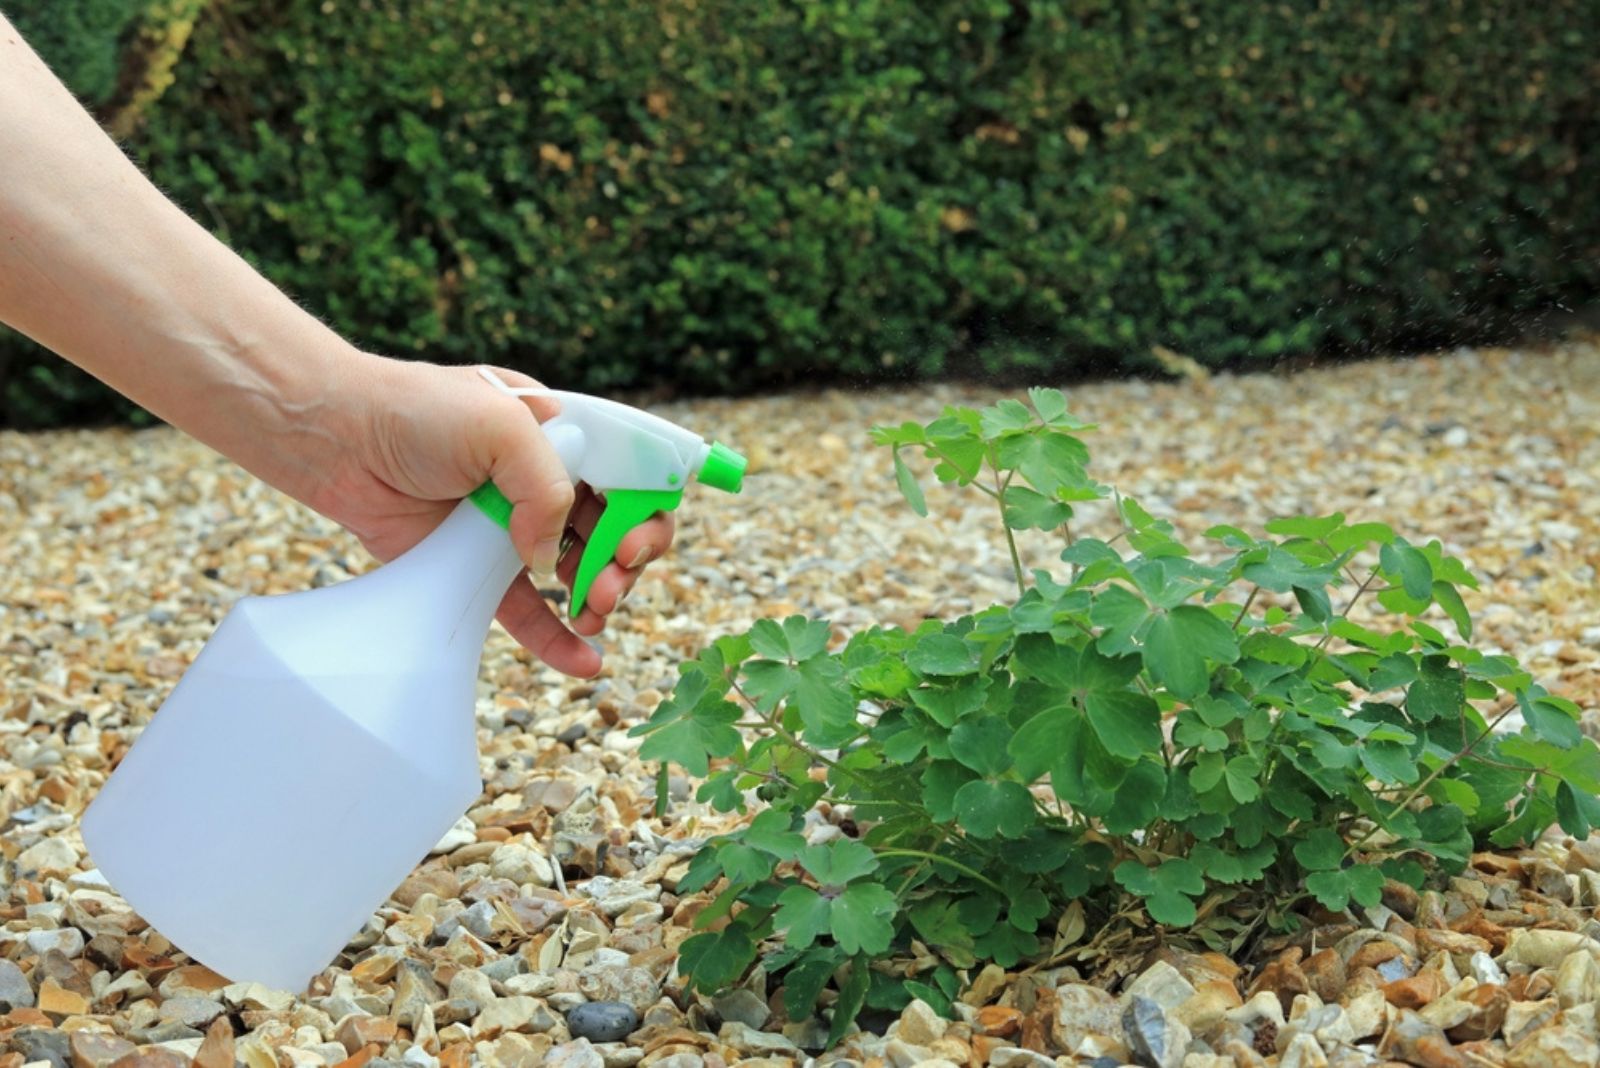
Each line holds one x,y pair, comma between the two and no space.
43,1044
414,991
1156,1041
15,992
602,1021
613,896
748,1040
189,1010
743,1006
167,1031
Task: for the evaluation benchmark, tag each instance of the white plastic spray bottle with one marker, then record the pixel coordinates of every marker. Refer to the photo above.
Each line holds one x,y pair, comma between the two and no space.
323,741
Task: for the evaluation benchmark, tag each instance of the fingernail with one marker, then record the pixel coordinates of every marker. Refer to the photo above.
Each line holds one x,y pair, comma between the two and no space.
642,557
545,555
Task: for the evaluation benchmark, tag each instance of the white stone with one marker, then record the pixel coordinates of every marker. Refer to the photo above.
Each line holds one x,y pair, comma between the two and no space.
521,865
1164,985
69,940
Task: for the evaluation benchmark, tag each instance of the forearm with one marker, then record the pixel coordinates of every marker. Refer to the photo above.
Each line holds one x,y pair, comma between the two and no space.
98,266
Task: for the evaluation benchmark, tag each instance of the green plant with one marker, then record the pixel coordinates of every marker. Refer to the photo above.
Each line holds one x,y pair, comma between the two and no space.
751,193
1217,746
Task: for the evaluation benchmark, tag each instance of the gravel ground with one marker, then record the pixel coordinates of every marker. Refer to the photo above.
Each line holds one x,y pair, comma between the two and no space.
120,551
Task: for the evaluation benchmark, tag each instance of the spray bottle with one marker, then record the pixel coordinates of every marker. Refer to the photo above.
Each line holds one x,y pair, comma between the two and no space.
324,740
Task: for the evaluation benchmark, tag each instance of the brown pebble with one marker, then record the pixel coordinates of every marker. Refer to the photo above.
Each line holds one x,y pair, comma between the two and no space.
93,1049
999,1020
1415,1041
59,1001
1417,990
1373,954
359,1058
152,1057
358,1031
1325,972
1283,977
1491,1002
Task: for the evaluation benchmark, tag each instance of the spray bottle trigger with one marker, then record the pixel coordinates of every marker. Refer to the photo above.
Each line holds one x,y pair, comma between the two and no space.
624,510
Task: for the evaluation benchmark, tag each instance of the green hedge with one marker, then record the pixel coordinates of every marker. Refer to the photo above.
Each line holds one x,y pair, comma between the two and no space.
750,193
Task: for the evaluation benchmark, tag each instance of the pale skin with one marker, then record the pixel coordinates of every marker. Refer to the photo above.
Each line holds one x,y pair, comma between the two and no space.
101,268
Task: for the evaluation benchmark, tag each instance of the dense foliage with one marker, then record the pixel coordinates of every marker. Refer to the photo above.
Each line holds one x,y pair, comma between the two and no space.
1216,745
729,193
81,40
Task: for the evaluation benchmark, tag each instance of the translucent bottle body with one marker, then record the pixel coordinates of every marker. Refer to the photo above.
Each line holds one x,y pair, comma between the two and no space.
320,744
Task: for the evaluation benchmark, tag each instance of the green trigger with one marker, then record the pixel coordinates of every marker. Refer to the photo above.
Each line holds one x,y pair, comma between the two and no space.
624,510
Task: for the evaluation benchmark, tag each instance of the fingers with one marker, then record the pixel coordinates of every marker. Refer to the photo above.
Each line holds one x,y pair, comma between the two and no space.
527,470
529,620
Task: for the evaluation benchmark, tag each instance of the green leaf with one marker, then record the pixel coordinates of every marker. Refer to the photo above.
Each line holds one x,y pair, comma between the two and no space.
852,995
947,704
1410,566
1320,850
804,982
938,923
771,832
1314,527
1167,890
980,744
1388,762
1119,613
1438,692
1281,571
1550,720
745,865
826,706
1360,535
862,918
838,862
1028,907
940,783
1051,405
1577,811
1038,744
1008,416
908,485
796,638
803,914
939,653
691,727
1447,598
1049,460
1138,800
986,809
1362,884
1024,509
1127,723
1178,645
716,959
1243,776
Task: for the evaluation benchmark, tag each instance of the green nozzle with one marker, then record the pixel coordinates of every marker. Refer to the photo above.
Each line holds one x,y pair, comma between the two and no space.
723,469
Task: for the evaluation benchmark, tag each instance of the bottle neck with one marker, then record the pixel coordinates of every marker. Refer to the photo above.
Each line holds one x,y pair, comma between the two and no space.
468,554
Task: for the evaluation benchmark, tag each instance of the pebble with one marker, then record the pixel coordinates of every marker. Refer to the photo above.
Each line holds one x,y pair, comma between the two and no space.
749,1041
15,990
68,941
92,1049
1156,1040
602,1021
576,1054
1555,1047
742,1005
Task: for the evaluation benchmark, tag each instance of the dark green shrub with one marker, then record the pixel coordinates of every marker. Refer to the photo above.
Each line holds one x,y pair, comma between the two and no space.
744,193
81,40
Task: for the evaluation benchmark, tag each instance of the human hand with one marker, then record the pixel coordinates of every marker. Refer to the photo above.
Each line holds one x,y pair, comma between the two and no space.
424,436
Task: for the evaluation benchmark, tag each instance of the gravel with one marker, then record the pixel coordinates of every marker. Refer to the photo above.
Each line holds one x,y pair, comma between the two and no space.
120,550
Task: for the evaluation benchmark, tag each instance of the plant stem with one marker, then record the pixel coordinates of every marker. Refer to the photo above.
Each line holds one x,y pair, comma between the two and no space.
1328,637
957,865
1247,603
1011,537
